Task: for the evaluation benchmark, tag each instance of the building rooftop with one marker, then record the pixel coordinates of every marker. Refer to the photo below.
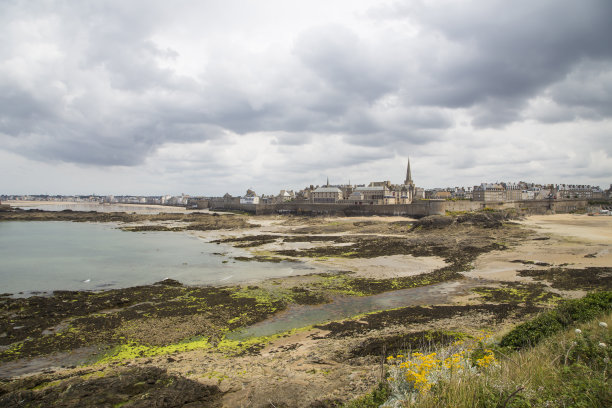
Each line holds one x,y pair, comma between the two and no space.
328,190
376,188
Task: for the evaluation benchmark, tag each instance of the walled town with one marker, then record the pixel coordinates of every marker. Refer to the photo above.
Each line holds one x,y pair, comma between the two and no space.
374,198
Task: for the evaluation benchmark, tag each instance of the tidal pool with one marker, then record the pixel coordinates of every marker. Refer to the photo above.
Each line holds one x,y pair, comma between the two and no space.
344,307
56,255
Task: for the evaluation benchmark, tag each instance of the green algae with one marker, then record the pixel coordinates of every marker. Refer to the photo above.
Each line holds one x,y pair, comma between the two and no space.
344,284
589,278
46,385
514,292
132,350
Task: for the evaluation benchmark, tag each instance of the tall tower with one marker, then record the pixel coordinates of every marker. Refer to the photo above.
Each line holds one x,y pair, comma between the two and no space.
409,184
408,180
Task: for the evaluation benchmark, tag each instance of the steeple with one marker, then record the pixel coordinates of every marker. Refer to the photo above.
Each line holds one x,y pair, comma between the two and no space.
408,180
327,181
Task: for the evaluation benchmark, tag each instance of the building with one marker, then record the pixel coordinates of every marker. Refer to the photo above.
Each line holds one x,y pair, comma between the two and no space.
326,194
569,191
249,198
377,192
441,195
514,191
408,189
284,196
489,192
373,194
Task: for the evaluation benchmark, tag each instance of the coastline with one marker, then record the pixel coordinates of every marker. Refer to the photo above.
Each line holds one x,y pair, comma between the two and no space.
518,267
98,206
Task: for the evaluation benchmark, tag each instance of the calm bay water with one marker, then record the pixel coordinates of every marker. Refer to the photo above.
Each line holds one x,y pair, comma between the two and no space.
84,206
55,255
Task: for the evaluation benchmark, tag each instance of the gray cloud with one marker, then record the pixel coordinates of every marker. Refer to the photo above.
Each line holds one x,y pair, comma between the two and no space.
495,53
346,63
105,84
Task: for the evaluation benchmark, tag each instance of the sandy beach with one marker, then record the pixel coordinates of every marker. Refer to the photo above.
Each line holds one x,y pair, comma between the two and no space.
579,241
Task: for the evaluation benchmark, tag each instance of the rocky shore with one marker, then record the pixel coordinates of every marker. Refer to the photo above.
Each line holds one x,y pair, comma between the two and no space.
166,344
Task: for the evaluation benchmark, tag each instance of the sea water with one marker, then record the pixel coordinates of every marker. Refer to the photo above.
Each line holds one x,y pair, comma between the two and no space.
55,255
104,208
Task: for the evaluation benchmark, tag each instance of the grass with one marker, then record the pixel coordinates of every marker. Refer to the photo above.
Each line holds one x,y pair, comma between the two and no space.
566,363
565,315
373,399
565,370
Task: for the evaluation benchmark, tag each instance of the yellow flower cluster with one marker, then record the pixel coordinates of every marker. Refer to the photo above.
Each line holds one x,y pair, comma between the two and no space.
418,369
483,336
487,359
454,362
421,371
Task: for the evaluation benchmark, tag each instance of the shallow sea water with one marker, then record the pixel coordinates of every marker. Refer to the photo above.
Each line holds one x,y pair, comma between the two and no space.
56,255
343,307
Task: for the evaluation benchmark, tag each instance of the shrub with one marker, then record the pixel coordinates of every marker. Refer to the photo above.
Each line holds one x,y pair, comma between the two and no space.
372,400
549,323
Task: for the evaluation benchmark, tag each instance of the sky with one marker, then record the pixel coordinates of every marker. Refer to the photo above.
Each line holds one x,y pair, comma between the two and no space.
151,97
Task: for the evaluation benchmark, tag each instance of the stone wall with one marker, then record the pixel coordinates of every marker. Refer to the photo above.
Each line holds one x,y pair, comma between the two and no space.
231,204
419,208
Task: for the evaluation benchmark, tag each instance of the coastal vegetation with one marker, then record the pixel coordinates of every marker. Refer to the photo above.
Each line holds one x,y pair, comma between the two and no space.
534,365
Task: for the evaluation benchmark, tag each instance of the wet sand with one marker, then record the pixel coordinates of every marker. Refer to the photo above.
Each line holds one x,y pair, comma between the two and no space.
578,241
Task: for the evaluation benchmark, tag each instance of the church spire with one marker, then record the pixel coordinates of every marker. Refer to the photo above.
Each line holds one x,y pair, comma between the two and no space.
408,180
327,181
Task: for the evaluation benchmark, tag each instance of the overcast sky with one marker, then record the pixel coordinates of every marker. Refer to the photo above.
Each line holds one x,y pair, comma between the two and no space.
207,97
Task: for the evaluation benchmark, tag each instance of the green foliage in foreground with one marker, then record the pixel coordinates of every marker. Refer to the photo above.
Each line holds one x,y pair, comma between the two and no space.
372,400
549,323
570,368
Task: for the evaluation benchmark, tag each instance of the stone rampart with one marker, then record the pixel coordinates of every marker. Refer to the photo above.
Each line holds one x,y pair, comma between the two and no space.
417,209
231,204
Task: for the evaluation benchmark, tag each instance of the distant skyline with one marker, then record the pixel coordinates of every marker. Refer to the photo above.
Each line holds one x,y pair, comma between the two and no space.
203,98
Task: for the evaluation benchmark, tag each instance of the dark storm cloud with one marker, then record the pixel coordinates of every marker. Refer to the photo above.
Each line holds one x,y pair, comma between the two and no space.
588,90
92,92
511,51
346,63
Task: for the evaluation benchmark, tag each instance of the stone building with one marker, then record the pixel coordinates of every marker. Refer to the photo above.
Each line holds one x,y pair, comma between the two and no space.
377,192
373,194
514,192
408,190
249,198
489,192
326,194
569,191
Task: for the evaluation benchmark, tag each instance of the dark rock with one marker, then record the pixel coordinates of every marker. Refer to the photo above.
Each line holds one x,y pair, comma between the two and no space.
169,282
139,387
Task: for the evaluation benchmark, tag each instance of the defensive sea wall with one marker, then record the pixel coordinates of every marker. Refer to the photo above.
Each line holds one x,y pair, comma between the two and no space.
417,209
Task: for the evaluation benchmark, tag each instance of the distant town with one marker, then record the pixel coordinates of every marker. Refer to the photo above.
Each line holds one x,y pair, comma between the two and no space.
373,193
